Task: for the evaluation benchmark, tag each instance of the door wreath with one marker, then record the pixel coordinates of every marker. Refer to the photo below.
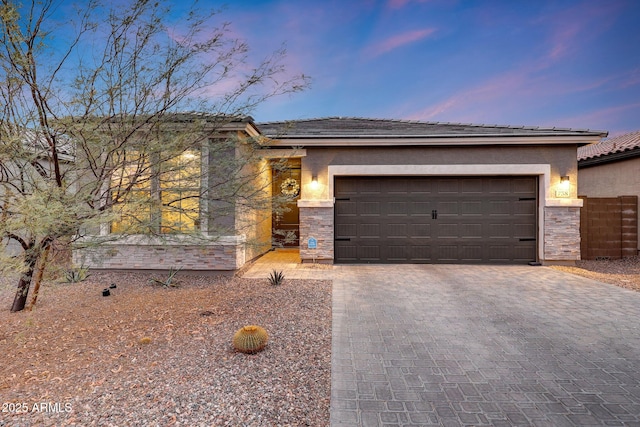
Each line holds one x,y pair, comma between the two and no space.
290,187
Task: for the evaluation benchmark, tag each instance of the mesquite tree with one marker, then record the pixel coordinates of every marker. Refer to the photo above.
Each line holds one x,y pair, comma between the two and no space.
93,112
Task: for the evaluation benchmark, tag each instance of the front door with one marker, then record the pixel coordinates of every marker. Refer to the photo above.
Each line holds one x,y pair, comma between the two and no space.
286,218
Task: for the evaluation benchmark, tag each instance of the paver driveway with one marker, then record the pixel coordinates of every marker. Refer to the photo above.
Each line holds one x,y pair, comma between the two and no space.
482,345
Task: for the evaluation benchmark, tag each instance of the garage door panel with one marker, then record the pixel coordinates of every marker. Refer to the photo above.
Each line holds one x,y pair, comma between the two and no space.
448,186
421,253
397,253
420,230
399,230
448,208
524,207
471,186
526,230
500,207
436,219
470,253
421,208
394,208
369,252
420,187
347,252
471,231
499,186
524,186
346,207
369,231
474,207
346,230
369,208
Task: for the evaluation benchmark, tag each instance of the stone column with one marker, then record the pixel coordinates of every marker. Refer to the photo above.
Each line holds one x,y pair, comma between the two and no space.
562,233
316,220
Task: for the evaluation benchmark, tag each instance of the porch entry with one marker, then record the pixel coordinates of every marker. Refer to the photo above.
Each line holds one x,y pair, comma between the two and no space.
286,221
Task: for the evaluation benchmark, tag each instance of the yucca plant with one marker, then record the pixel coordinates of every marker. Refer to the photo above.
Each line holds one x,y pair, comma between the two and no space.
75,275
276,278
169,281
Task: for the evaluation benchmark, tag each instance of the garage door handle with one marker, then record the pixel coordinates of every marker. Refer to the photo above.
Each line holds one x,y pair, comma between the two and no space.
343,239
527,239
434,214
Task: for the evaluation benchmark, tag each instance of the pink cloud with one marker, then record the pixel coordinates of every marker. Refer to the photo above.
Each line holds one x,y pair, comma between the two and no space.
399,40
398,4
470,105
571,28
605,115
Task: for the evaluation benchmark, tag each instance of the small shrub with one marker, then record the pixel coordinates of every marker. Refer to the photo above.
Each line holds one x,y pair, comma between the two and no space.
169,281
250,339
75,275
145,340
276,278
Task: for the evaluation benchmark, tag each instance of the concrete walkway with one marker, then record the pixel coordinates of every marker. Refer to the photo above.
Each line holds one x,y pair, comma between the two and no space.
420,345
287,261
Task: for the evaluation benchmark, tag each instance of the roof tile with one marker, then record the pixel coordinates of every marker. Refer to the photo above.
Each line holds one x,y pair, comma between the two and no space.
617,144
362,127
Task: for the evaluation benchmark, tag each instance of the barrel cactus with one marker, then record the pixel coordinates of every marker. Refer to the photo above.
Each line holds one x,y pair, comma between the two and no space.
250,339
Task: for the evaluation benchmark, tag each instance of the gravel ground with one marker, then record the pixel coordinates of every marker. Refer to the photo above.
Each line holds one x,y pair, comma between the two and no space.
78,359
621,272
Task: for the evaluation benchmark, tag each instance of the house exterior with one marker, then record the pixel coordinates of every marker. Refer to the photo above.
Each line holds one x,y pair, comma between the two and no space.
393,191
396,191
218,235
611,168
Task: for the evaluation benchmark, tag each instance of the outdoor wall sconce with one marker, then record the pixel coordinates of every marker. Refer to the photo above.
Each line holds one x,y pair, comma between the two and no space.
563,189
314,181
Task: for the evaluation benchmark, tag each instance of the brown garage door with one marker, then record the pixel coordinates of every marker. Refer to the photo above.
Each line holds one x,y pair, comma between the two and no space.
435,219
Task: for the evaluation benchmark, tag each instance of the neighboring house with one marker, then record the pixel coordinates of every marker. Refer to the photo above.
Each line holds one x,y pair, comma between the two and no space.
610,168
395,191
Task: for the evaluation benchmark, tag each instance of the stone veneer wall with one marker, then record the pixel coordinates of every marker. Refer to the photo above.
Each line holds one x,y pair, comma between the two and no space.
316,222
124,256
561,233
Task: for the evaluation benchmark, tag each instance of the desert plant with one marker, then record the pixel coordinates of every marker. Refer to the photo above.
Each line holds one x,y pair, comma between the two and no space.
250,339
276,278
77,274
169,281
145,340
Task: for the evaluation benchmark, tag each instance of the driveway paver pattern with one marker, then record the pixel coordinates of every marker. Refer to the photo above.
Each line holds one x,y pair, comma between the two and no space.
452,345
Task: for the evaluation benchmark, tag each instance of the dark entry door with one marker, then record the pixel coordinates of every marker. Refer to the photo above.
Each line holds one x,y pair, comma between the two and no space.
286,222
435,219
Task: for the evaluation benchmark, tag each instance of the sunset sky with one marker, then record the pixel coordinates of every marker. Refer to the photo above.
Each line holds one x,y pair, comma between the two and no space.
564,63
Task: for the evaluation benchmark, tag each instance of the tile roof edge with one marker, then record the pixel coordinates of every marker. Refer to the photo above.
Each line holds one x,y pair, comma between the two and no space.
478,125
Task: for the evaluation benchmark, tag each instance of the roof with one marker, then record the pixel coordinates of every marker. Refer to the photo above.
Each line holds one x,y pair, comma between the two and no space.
36,142
356,127
616,148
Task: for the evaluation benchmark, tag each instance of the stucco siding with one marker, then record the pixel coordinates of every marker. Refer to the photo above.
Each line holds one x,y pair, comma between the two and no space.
562,159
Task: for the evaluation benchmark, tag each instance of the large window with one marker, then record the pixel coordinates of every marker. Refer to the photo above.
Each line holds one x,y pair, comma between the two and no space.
164,196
